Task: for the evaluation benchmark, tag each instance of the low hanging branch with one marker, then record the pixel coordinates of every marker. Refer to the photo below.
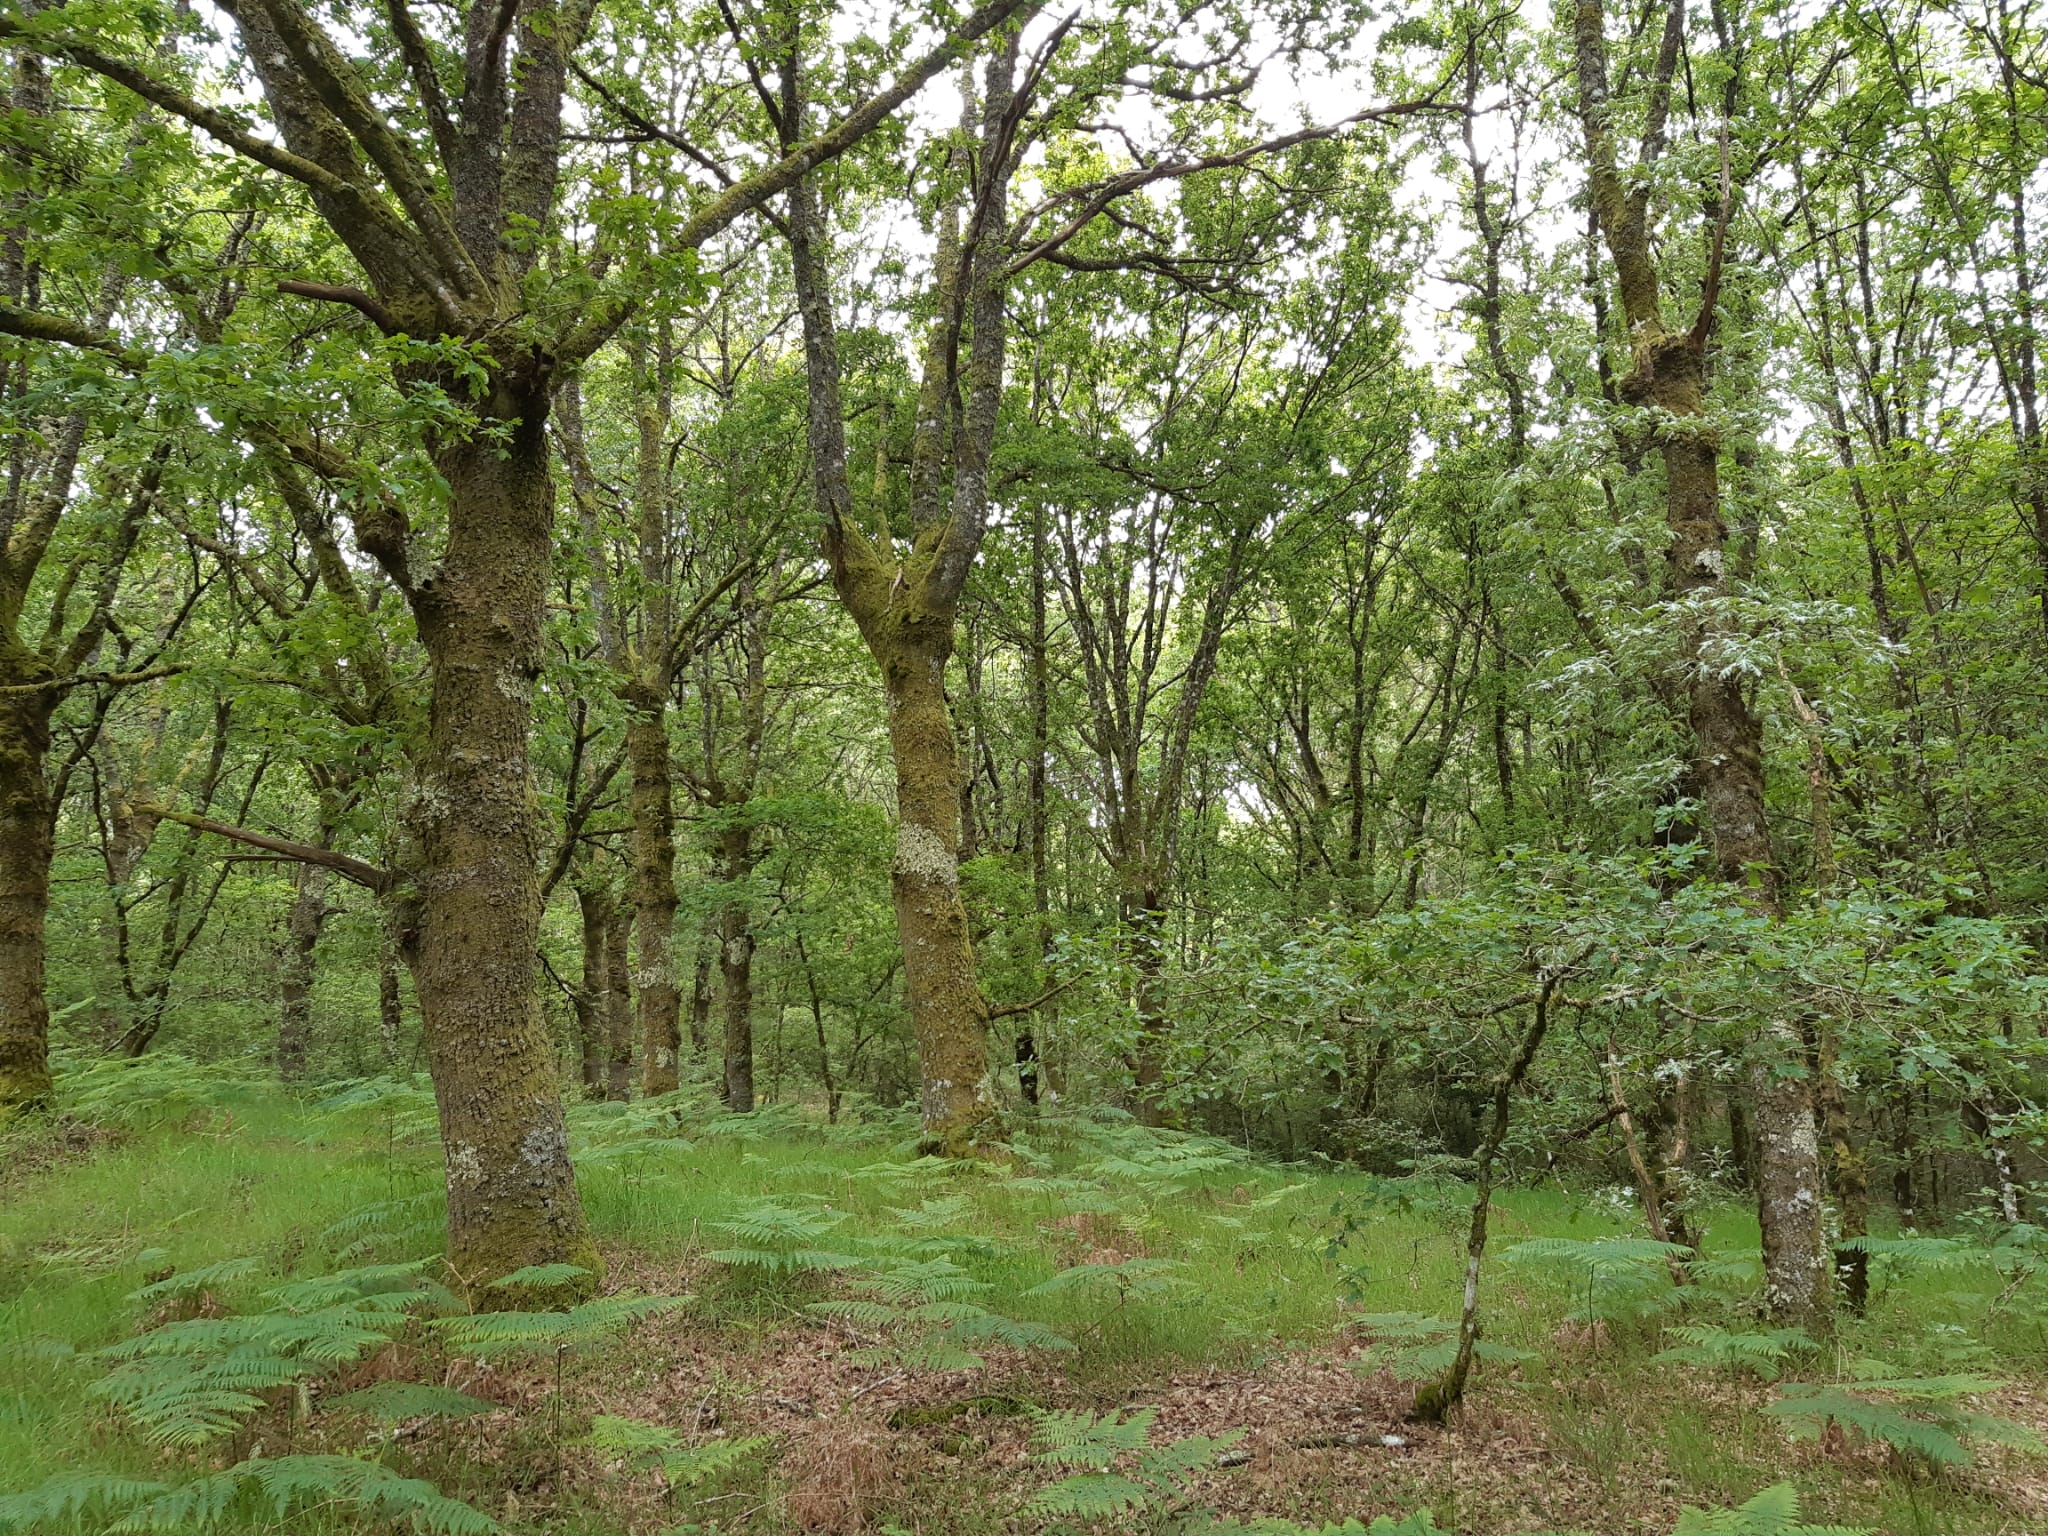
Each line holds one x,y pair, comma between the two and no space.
371,878
1010,1010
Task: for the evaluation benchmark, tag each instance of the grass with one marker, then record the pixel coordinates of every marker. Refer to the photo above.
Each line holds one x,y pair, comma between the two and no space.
1219,1290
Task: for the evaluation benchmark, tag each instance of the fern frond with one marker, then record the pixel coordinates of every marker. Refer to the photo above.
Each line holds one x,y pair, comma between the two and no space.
1090,1496
714,1458
70,1497
275,1486
1089,1440
192,1281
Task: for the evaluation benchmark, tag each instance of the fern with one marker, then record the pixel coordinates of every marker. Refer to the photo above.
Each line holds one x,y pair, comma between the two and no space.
185,1383
1772,1512
1618,1277
1131,1279
1122,1471
1761,1353
779,1238
640,1443
1926,1419
405,1220
1426,1345
191,1282
923,1306
271,1487
499,1333
71,1498
539,1275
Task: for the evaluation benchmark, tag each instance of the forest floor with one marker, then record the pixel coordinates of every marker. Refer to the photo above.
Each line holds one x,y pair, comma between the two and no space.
1224,1294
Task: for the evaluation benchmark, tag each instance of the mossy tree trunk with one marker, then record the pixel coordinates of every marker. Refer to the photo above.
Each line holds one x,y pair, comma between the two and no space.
308,915
26,826
473,857
736,962
1669,380
904,598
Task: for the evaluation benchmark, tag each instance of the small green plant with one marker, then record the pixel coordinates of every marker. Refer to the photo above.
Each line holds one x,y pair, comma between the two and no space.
395,1402
1615,1279
641,1444
1762,1353
190,1381
1924,1418
485,1334
777,1238
1419,1348
924,1306
1121,1470
265,1487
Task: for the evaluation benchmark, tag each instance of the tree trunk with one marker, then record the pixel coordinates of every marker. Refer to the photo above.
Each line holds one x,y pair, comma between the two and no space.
475,903
736,960
654,899
592,997
295,1001
1851,1171
618,936
26,828
390,1001
1145,920
700,988
947,1008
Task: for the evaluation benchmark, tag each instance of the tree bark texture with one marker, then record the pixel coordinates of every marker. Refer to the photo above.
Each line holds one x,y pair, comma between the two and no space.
736,962
26,827
475,931
307,917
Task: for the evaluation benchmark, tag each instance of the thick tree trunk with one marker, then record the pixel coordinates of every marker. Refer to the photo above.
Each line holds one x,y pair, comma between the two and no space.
618,938
947,1008
1788,1193
25,853
512,1199
295,991
654,899
736,960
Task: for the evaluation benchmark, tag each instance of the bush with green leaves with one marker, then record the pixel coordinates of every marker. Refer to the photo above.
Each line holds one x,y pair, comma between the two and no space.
161,1088
1120,1470
1925,1419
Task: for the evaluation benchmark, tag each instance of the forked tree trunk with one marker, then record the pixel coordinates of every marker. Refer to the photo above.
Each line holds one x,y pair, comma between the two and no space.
512,1199
295,991
736,960
946,1002
654,899
25,851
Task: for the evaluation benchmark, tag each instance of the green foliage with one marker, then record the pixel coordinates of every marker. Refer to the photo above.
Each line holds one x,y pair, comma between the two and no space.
190,1381
778,1238
640,1443
269,1487
923,1304
1759,1352
1612,1278
394,1402
486,1334
1773,1511
1419,1348
1921,1418
1124,1471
